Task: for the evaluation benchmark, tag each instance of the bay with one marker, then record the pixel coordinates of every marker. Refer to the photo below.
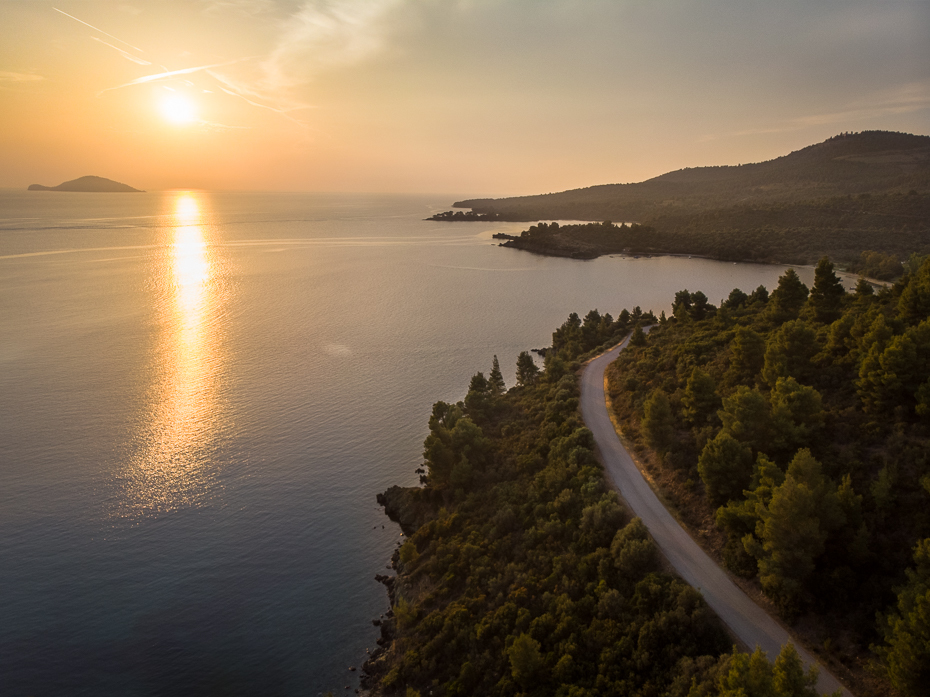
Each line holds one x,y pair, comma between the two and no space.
201,395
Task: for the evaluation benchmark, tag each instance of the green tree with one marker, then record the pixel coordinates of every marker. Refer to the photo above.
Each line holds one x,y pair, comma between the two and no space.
725,466
790,679
892,377
454,447
864,289
525,660
478,399
914,304
797,414
681,308
495,379
759,295
700,399
591,329
826,297
736,299
739,519
408,553
700,307
747,356
906,653
793,529
568,337
751,675
527,370
788,298
658,422
789,353
746,416
638,338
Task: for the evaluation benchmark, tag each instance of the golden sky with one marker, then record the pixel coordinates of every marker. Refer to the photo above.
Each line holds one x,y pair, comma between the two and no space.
469,97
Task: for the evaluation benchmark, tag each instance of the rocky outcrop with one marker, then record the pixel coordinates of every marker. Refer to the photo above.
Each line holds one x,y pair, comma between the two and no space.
407,506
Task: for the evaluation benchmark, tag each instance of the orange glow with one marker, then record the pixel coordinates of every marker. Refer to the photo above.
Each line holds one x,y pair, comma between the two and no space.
171,471
178,109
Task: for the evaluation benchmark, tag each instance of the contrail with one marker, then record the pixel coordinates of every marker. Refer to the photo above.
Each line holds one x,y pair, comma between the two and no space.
116,38
125,54
169,73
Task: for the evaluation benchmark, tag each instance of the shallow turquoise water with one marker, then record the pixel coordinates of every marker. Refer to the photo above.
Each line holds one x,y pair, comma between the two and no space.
200,396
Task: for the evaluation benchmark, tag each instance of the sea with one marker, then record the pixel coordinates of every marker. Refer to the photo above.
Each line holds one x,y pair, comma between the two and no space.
201,394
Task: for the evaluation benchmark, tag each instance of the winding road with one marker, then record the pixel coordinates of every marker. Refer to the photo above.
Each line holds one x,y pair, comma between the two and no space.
747,621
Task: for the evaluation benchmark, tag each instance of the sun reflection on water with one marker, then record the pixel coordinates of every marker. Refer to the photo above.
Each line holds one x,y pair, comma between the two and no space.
171,467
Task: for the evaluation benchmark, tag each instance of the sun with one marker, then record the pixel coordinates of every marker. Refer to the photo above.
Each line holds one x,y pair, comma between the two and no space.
178,109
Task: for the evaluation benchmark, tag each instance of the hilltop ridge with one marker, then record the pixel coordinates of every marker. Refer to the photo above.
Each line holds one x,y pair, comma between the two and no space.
846,164
853,194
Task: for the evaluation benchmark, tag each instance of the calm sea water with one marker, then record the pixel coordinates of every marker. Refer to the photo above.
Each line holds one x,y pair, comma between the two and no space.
200,396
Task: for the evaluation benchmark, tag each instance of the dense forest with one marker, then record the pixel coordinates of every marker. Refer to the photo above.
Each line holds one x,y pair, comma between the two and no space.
892,225
797,425
522,572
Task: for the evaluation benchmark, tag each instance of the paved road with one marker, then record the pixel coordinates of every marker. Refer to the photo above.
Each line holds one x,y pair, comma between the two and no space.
746,620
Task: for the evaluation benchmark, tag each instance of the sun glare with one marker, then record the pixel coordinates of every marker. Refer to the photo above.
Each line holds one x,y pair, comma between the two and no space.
178,109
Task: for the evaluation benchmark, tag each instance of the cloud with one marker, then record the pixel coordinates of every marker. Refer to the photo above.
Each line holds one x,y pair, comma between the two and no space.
248,8
116,38
169,74
325,33
19,77
124,54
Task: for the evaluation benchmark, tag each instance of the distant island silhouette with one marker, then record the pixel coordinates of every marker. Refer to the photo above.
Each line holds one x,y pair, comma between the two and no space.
88,184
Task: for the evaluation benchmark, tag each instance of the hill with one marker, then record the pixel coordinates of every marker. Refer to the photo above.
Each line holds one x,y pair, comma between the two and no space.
847,195
88,184
845,165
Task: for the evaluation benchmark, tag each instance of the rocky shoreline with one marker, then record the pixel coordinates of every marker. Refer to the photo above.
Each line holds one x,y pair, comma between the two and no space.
404,507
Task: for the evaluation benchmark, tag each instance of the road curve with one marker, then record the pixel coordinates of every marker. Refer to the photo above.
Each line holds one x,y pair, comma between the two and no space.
746,620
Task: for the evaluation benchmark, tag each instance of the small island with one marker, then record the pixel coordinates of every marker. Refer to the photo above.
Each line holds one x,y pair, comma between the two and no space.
88,184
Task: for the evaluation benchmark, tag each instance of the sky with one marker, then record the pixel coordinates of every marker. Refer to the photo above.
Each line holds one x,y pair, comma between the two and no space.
465,97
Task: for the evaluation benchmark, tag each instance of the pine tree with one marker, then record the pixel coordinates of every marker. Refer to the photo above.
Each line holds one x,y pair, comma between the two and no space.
700,399
658,422
906,654
495,379
725,465
827,294
527,370
788,299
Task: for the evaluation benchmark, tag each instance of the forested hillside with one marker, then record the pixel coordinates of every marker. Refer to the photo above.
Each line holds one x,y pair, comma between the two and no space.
892,225
798,425
845,165
850,194
523,574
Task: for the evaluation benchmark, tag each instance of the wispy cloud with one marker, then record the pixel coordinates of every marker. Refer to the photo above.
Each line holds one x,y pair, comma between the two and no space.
125,54
115,38
168,74
253,96
315,36
249,8
326,33
19,77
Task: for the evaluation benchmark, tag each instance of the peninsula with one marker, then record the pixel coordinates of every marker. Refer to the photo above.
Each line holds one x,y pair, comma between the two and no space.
87,184
853,193
786,430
